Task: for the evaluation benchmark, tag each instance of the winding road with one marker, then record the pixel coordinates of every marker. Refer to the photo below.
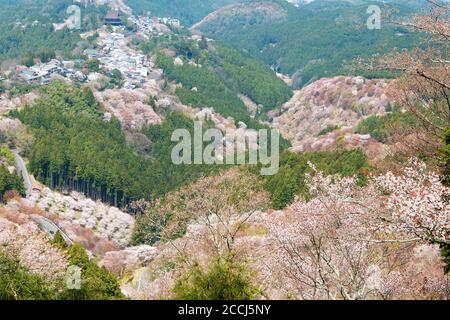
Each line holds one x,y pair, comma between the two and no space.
23,171
44,224
50,228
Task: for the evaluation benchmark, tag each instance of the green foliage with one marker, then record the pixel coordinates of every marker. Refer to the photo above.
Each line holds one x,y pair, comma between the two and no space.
445,150
152,102
187,11
16,283
19,89
59,242
97,283
10,181
290,179
253,78
445,253
28,60
327,130
222,74
6,155
93,65
225,279
168,175
75,148
26,28
316,40
46,54
380,127
210,90
30,43
116,78
149,46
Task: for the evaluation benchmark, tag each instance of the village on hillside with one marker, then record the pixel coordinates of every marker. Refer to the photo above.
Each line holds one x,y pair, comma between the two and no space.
109,56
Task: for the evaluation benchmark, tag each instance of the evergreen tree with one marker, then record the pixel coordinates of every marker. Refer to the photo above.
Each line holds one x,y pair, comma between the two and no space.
225,279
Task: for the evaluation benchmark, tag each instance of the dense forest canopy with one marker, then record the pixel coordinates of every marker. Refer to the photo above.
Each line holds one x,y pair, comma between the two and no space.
358,208
316,40
188,12
213,75
26,27
76,149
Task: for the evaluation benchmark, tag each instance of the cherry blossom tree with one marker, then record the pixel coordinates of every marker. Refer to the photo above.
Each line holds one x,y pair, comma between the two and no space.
424,85
32,249
222,203
320,246
350,242
419,203
346,242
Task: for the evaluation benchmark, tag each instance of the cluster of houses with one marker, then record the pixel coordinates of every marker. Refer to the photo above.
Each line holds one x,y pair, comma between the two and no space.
114,54
170,22
43,73
154,24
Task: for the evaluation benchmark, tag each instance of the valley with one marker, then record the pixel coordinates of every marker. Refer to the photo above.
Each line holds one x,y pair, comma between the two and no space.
87,177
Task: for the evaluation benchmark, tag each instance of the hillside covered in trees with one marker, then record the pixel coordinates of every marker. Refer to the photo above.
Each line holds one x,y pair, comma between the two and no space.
76,149
27,31
188,12
358,208
316,40
213,75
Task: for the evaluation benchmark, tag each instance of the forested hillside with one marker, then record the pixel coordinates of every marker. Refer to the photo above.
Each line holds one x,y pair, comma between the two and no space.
356,206
213,75
26,27
77,150
314,41
188,12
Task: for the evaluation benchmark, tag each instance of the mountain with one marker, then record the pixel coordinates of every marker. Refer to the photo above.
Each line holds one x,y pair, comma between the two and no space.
252,13
106,175
307,42
331,103
188,12
216,76
27,28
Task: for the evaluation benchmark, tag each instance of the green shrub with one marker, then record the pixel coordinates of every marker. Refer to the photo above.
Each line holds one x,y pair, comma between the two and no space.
225,279
445,253
10,181
93,65
290,179
97,283
16,283
327,130
6,155
381,127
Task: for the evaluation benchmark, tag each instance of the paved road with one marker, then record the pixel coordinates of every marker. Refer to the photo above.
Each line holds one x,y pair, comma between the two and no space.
45,224
50,228
23,171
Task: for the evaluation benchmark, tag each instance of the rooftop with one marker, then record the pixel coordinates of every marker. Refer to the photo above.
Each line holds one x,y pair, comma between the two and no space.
112,15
